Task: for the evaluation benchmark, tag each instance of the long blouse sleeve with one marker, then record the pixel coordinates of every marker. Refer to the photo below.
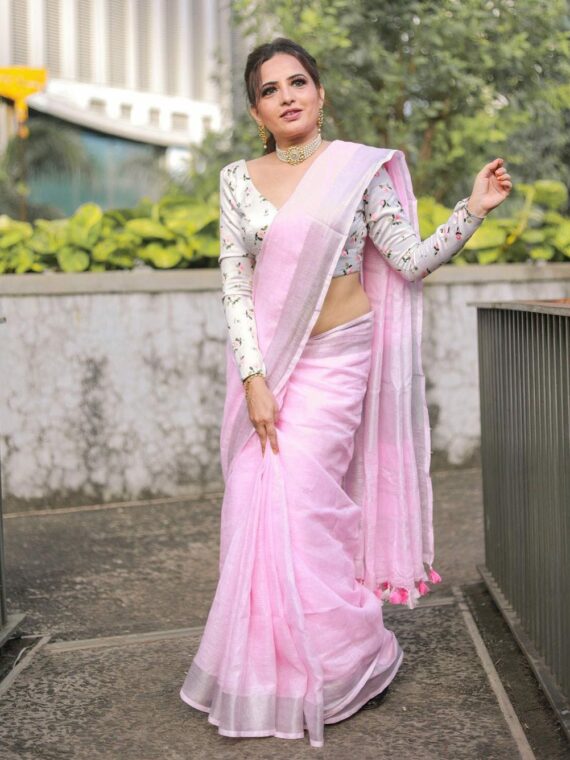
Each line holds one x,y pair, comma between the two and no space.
396,240
236,266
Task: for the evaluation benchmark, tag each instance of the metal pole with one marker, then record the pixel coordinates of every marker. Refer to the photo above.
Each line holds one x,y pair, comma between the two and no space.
3,610
8,624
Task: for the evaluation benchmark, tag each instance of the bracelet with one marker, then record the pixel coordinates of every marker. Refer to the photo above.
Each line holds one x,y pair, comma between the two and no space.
473,216
259,373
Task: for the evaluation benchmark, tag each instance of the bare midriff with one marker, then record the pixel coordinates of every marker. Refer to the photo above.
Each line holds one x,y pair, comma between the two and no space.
346,299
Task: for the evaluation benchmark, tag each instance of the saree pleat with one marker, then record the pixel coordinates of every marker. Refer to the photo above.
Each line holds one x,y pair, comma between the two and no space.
292,640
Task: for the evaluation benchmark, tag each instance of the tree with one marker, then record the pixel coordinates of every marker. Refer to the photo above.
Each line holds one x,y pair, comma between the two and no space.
453,83
48,149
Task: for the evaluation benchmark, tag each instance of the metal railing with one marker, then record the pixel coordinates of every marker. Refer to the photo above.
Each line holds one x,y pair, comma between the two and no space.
524,382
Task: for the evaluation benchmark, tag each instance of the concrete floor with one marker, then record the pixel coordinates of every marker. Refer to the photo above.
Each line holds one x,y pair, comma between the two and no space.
115,597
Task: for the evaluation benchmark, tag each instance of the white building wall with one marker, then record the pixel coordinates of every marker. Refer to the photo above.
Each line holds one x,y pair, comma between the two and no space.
98,52
66,49
5,36
36,36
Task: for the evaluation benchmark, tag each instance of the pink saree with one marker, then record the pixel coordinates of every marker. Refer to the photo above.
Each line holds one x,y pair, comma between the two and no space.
316,538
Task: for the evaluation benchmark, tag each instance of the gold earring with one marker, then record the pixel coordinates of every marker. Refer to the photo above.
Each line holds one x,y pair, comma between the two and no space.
321,119
263,135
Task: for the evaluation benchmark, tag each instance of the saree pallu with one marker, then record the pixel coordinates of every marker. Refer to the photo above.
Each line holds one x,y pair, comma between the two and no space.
293,640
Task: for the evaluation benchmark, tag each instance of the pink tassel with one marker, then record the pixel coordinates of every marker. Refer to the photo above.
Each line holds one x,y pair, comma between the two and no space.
423,588
434,576
385,593
399,596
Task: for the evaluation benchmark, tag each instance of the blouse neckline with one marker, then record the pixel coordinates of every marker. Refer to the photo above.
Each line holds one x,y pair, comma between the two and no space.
297,186
255,190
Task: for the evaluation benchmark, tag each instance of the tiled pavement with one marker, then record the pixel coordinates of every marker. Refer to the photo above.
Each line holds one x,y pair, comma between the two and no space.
114,599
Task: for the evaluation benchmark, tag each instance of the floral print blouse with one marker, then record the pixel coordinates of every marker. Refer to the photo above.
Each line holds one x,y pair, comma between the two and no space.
245,216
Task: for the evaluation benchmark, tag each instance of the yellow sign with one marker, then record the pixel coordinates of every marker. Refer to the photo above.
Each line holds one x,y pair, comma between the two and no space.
19,82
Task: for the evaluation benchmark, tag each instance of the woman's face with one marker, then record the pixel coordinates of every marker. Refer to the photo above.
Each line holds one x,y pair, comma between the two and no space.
286,85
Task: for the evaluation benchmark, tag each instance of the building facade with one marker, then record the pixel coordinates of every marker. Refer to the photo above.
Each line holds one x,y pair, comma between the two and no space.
156,71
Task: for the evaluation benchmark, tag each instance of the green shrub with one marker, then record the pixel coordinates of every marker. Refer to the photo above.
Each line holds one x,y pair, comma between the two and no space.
179,232
536,230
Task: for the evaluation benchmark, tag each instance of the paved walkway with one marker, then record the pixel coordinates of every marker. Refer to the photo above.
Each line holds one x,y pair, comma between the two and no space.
115,597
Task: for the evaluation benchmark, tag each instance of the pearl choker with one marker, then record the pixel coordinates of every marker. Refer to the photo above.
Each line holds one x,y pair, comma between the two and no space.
297,153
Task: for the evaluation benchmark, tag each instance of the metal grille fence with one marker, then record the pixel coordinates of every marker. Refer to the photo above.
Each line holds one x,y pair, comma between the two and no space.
524,381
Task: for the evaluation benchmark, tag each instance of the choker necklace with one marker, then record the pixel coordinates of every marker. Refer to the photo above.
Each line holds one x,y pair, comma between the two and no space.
297,153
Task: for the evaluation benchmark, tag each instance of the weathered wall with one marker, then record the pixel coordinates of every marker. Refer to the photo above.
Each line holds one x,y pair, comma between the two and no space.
112,384
450,344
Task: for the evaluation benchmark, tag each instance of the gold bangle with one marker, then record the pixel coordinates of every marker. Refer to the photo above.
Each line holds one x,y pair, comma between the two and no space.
473,216
246,385
254,374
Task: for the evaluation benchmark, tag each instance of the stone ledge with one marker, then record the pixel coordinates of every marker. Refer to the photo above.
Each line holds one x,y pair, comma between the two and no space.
474,273
556,306
156,281
138,281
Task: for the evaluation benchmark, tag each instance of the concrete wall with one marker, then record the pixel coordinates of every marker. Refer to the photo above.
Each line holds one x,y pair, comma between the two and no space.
112,384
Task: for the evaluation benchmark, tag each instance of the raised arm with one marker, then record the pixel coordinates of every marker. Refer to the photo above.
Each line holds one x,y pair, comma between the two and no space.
236,266
396,240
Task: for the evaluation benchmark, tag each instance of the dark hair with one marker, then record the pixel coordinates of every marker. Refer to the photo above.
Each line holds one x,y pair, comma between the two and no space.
264,52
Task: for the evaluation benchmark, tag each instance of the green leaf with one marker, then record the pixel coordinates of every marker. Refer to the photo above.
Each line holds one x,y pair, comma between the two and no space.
162,257
533,236
71,259
103,250
542,252
196,216
85,225
116,216
122,260
8,239
561,238
13,232
488,256
206,246
551,193
553,217
149,230
431,215
24,261
48,237
488,235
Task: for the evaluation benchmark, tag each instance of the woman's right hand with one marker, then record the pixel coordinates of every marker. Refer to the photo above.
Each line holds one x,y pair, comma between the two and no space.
263,411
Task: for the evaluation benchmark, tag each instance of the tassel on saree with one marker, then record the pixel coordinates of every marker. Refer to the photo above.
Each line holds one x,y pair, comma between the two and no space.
385,591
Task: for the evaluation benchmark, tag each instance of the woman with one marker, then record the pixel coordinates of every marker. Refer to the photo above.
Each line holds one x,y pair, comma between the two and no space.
322,268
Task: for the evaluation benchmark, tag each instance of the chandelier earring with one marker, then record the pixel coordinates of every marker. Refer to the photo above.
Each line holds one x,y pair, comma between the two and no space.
262,135
321,118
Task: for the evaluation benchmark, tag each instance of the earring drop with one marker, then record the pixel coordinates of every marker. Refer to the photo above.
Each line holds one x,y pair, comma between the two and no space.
262,135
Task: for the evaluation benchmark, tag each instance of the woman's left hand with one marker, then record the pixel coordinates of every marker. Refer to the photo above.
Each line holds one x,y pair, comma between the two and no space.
491,187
